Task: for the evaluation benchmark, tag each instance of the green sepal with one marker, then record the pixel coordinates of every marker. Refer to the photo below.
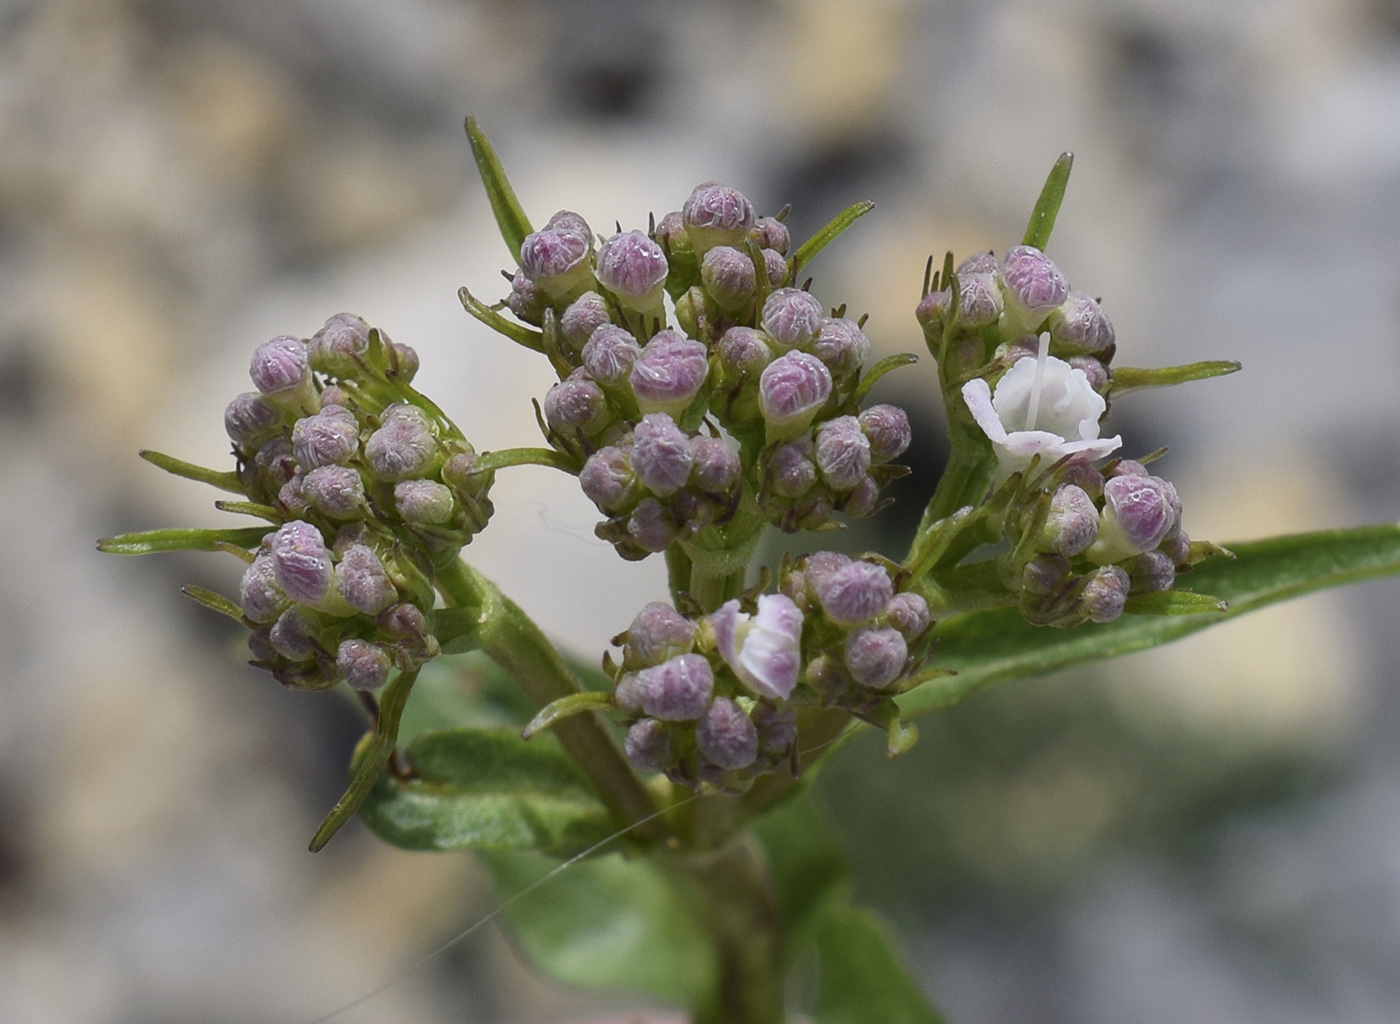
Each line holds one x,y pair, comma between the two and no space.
518,333
370,758
809,249
1129,378
151,541
510,216
1047,207
884,366
861,977
224,481
986,646
214,602
488,789
1173,602
573,704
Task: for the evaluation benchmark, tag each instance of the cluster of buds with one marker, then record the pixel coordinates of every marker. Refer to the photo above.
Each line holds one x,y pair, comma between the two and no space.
712,699
751,391
368,484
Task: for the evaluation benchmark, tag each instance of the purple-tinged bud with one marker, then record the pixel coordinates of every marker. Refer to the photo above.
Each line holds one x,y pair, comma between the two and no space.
1151,570
334,349
770,233
1105,592
677,690
1079,327
526,299
717,465
1033,280
742,350
1139,513
661,454
777,730
863,499
842,346
791,471
424,502
854,593
776,267
403,360
575,404
933,307
979,300
657,633
335,491
670,232
716,215
1045,574
251,419
908,613
280,365
363,581
792,318
583,316
294,635
820,564
764,649
726,736
260,648
570,223
403,447
729,276
275,462
791,390
875,656
979,263
842,452
609,355
301,562
651,526
633,268
648,746
1072,523
364,665
1178,548
1094,371
669,373
626,696
1128,467
608,480
333,396
557,261
292,496
325,439
887,427
259,594
405,621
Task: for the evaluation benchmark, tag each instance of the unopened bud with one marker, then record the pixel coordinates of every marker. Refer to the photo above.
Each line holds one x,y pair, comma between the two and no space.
557,261
854,593
677,690
526,299
364,665
609,354
1150,571
1045,574
301,562
294,635
1072,523
337,492
862,499
633,268
842,452
1139,513
716,215
424,502
887,427
763,649
669,373
648,746
1033,280
661,454
717,465
1079,327
842,346
729,276
792,318
336,347
775,267
1105,592
403,447
280,365
363,582
908,613
608,480
875,656
1094,371
570,223
979,300
979,263
770,233
583,316
651,526
251,419
325,439
726,736
742,350
791,390
791,471
575,404
657,633
259,594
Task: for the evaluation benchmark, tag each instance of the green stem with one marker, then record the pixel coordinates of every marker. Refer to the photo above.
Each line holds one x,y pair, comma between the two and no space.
506,457
719,557
511,639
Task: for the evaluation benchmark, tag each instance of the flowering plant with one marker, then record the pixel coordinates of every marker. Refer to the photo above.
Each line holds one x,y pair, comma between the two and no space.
705,395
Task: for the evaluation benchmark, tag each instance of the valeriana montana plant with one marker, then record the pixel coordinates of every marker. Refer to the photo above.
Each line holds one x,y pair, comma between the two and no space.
706,394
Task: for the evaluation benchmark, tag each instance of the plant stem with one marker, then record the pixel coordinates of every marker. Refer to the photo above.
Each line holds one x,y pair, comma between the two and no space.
511,639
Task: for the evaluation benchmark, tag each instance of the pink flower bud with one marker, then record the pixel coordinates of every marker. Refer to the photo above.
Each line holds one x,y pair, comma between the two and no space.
887,427
633,268
979,300
854,593
651,526
1033,280
526,299
742,350
842,346
770,233
716,215
294,635
792,318
1079,327
791,390
765,649
364,665
301,562
557,261
717,466
1151,571
661,454
657,633
842,452
259,594
791,471
1072,523
726,736
250,420
325,439
363,581
677,690
1094,371
333,349
608,481
729,276
583,316
908,613
570,223
875,656
609,354
1045,574
280,365
669,373
575,404
776,267
337,492
403,446
648,746
1145,508
1105,592
424,502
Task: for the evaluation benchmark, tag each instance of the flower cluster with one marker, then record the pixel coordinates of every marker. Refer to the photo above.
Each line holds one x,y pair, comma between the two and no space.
712,699
367,484
749,396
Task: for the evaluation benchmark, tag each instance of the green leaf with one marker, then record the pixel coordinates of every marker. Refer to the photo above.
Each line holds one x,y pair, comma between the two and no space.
487,788
1173,602
809,249
527,337
214,602
608,923
510,216
1129,378
225,481
861,976
151,541
1047,207
573,704
884,366
997,644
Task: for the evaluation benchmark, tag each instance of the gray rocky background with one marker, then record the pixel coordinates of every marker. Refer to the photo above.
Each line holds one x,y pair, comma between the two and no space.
1207,833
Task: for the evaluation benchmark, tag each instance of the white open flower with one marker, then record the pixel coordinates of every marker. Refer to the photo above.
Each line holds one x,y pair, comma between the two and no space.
1041,407
765,649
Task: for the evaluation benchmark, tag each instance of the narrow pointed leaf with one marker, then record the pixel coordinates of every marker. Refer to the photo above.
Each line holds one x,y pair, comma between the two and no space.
828,234
881,368
490,789
151,541
518,333
1174,602
573,704
1047,207
510,216
986,646
862,978
1130,378
224,481
215,602
250,508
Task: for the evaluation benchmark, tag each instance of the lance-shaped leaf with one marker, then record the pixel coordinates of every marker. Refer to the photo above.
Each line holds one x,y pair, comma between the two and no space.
510,216
151,541
1047,207
884,366
490,789
828,234
861,977
1130,378
985,646
225,481
520,334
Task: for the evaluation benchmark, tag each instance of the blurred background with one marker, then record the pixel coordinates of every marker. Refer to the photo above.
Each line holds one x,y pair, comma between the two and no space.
1209,832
